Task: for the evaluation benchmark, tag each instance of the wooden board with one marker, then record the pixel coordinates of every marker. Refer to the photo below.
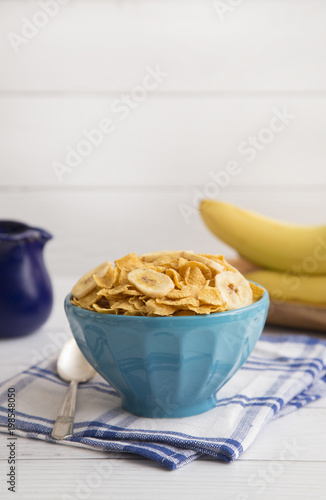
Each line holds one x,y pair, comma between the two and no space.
297,315
291,314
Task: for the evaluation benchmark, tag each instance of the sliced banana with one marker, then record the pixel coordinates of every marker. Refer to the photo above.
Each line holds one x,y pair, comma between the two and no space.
150,282
235,289
150,257
204,260
86,283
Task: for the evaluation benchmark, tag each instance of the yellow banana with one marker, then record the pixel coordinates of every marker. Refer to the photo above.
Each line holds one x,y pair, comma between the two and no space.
290,287
268,242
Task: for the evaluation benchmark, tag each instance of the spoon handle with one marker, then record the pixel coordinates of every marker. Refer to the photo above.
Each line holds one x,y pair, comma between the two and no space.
64,423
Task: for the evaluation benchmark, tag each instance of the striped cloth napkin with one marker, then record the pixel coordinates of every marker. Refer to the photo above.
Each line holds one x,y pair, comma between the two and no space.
283,374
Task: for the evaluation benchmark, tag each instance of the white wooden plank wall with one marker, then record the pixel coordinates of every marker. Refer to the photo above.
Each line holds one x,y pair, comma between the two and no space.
254,73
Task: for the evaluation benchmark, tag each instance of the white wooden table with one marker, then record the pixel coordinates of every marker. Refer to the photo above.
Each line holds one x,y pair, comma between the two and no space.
226,76
287,461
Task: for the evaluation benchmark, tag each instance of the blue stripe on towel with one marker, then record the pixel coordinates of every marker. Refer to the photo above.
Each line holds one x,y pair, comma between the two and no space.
272,383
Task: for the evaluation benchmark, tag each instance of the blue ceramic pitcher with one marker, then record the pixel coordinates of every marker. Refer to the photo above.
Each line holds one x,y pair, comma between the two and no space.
25,287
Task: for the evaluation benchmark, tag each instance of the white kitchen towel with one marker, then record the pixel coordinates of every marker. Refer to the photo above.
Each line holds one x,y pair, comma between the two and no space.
282,374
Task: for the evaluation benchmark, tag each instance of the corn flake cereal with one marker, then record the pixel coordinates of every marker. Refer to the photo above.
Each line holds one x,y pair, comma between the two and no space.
172,283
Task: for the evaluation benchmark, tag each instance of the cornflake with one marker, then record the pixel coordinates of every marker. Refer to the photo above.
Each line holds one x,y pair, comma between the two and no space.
174,283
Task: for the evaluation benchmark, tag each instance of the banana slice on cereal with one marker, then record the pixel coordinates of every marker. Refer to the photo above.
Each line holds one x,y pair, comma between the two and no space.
150,257
204,260
87,283
150,282
235,289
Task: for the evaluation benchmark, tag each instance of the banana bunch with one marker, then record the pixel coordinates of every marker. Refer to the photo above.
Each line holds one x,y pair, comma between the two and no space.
288,260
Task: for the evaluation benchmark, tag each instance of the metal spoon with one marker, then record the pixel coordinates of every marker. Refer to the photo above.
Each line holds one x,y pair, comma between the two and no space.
72,367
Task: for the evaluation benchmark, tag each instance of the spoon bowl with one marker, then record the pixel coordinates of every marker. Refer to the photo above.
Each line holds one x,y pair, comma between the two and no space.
72,367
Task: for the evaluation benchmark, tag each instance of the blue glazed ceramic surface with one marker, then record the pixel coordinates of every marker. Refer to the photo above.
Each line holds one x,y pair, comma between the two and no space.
168,366
25,287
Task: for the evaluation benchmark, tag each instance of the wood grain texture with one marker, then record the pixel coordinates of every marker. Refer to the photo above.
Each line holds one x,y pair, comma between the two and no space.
286,461
140,480
164,142
298,315
105,46
224,80
93,225
285,313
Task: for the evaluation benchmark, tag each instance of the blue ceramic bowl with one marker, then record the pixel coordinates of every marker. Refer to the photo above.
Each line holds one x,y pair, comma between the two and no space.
168,366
